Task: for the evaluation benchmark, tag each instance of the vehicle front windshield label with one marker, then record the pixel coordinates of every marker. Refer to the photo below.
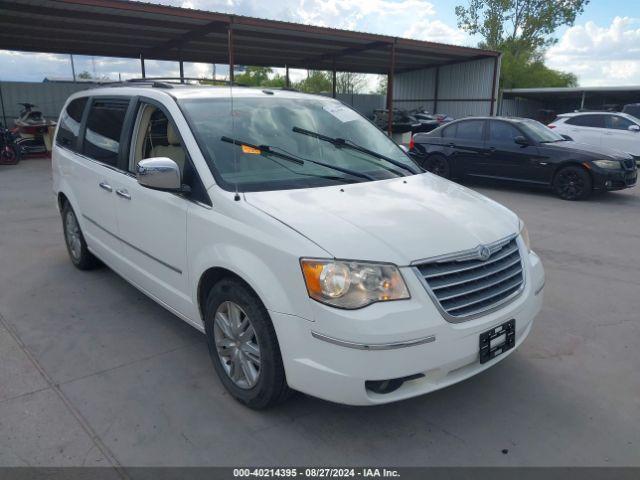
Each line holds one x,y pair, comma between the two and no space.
341,112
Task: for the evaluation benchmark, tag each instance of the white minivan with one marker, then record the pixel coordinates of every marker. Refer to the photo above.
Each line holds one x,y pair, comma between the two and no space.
309,248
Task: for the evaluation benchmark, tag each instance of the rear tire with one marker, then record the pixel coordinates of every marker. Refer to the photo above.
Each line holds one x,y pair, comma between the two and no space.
572,183
80,255
439,165
243,345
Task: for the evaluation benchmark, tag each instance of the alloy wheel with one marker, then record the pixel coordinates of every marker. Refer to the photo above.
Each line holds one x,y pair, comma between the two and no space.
439,167
72,234
570,184
237,345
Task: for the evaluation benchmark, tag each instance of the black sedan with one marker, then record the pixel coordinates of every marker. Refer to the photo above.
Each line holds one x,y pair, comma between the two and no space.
524,151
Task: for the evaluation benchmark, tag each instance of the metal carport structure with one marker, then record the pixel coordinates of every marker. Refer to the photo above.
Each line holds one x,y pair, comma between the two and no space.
119,28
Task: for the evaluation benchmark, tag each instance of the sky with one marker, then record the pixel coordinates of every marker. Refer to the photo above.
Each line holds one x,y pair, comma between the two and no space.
602,48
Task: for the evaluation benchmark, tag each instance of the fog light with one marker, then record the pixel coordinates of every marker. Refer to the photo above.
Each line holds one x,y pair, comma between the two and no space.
391,385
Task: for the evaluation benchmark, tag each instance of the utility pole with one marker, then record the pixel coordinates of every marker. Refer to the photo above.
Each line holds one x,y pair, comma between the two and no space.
73,68
4,114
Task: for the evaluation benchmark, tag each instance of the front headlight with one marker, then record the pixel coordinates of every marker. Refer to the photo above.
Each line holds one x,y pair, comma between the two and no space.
351,285
608,164
524,233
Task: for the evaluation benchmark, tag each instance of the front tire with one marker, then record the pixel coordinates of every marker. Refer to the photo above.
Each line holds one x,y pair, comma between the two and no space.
572,183
243,345
10,155
80,255
439,165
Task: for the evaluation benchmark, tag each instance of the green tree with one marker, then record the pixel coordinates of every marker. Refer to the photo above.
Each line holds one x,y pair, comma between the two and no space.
316,82
349,82
532,22
531,72
260,77
85,75
521,30
381,89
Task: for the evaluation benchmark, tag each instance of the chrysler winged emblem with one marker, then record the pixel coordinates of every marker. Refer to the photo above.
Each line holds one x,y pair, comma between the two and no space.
483,252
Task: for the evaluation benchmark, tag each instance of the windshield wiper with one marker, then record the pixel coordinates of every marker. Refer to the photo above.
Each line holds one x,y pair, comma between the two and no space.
298,161
341,142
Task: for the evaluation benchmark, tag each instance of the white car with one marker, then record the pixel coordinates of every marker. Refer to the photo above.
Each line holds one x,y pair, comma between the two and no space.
618,131
307,246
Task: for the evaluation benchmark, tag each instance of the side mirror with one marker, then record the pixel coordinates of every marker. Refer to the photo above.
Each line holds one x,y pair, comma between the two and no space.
159,173
634,128
520,140
567,137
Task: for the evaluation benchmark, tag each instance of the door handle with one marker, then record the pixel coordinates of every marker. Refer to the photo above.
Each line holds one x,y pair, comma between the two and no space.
106,186
489,151
452,145
124,194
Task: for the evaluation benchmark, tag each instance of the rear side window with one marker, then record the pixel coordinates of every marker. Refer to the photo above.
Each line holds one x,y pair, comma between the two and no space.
617,123
69,128
470,130
594,121
502,132
104,128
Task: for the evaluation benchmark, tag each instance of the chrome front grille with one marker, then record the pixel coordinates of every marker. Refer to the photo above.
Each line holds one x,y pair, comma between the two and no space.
465,286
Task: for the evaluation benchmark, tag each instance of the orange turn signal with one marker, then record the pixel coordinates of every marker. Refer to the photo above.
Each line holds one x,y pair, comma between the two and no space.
311,271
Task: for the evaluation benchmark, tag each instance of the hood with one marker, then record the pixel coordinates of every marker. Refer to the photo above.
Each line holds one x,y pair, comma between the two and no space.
590,150
398,220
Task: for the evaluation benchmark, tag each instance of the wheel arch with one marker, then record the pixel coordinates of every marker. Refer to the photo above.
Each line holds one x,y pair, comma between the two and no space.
213,275
571,163
62,201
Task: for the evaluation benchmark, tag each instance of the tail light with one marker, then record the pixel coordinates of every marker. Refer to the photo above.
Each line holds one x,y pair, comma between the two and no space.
551,126
411,143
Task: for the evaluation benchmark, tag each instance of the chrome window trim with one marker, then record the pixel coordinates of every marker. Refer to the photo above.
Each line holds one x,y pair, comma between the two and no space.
466,255
374,346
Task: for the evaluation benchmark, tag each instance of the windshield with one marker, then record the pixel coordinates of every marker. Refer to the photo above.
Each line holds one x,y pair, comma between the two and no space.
540,133
269,122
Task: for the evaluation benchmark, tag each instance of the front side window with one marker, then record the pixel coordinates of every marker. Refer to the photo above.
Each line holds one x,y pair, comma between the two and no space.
616,122
502,132
157,136
270,122
104,128
539,132
593,121
470,130
70,119
450,131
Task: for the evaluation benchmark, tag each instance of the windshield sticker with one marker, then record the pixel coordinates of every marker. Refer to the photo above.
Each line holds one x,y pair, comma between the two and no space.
341,112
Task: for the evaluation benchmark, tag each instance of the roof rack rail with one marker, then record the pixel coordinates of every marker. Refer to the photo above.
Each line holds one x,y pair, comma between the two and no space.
169,82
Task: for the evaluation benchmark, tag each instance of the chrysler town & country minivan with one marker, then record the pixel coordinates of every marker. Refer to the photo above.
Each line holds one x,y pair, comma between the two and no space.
310,249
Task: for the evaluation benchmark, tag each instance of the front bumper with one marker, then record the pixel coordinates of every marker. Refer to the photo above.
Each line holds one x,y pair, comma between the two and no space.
378,344
614,179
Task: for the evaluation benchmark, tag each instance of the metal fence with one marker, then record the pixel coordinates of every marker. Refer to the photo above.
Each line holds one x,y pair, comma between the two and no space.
48,96
458,90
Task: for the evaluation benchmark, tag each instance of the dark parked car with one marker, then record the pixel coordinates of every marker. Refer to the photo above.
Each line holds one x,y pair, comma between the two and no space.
525,151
